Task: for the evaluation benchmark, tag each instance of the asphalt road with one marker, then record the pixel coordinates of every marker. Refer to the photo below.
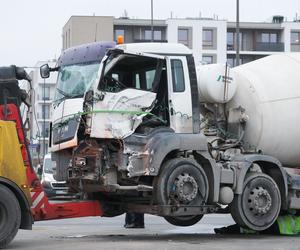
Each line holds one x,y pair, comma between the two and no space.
108,233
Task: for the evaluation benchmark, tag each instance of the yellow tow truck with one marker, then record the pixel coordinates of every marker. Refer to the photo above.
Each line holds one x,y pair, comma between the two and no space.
22,198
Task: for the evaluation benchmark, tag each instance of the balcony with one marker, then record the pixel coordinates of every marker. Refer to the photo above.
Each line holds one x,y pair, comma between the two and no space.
278,47
258,46
295,47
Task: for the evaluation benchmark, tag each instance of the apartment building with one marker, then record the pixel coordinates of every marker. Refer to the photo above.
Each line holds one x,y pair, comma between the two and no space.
261,39
212,41
84,29
206,37
43,95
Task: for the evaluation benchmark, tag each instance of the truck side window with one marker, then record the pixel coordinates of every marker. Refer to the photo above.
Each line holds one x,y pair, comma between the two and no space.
177,75
137,81
150,74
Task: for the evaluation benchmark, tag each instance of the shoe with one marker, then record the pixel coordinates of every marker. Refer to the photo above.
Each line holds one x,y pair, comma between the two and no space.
233,229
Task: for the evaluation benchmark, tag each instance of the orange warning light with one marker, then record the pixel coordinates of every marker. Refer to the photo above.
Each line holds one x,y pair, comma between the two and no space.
120,39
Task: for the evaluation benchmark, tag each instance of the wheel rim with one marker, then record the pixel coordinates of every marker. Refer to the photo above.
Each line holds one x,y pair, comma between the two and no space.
185,188
260,201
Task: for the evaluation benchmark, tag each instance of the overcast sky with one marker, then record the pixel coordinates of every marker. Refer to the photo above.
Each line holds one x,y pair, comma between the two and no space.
30,30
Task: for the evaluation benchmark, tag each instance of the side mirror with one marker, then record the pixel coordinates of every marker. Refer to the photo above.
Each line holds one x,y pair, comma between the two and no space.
45,71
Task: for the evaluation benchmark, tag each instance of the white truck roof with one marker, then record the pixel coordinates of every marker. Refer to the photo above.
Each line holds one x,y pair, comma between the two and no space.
156,48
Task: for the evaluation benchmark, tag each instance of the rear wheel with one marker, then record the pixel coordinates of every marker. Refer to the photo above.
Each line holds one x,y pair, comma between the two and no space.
258,206
10,216
181,182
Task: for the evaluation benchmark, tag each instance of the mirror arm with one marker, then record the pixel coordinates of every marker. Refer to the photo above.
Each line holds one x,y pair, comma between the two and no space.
53,69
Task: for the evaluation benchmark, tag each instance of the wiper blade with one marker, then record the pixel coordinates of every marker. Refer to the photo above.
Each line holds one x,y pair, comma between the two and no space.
58,101
67,96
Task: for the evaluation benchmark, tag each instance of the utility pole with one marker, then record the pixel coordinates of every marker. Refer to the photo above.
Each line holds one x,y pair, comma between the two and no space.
237,33
44,118
152,28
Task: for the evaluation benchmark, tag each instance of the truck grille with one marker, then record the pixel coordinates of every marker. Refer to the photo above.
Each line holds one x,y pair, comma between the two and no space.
59,185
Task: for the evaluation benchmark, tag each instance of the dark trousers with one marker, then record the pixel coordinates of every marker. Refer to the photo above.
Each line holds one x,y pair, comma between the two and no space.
136,219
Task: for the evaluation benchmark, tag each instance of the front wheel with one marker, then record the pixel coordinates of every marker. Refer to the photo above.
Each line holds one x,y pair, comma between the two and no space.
181,182
184,221
258,206
10,216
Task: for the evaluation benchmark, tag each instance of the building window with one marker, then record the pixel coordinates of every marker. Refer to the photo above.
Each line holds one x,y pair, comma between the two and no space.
295,37
44,129
183,36
269,37
45,91
148,34
177,75
45,111
230,40
207,37
207,59
157,35
119,32
231,61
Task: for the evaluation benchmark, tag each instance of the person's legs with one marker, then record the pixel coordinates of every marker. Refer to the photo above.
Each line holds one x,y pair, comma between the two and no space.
134,220
139,220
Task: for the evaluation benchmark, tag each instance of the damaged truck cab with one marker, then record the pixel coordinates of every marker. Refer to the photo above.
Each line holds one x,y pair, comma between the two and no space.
126,130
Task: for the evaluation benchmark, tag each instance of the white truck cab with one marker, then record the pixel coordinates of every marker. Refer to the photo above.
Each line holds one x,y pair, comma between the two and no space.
134,139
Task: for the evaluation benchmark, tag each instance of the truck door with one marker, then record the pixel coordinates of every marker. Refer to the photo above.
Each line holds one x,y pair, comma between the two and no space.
180,102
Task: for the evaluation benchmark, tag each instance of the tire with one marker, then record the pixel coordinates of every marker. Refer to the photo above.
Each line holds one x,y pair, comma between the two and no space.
10,216
194,187
258,206
184,221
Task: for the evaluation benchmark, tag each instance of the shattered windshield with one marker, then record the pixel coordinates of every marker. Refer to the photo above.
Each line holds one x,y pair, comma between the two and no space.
74,80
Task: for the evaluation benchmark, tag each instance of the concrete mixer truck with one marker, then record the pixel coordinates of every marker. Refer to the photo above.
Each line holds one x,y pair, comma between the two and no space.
151,133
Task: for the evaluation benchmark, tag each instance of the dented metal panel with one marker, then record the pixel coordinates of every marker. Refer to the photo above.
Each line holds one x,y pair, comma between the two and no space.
119,114
147,152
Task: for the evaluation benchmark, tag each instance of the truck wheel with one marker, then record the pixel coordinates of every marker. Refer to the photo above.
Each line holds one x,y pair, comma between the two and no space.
184,221
181,182
258,206
10,216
